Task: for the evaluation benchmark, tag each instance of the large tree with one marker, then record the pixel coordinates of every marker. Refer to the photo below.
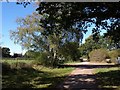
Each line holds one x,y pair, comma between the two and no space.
105,15
61,23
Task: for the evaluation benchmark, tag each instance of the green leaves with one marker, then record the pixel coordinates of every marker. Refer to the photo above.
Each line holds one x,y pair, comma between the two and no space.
58,25
28,30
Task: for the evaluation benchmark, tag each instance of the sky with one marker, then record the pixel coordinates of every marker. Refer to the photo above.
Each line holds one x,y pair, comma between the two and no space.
9,12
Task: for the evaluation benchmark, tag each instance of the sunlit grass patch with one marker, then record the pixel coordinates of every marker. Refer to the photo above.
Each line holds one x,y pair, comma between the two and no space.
107,69
12,61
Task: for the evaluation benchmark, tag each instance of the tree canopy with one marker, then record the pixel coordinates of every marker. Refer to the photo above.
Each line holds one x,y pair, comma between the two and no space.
81,16
61,25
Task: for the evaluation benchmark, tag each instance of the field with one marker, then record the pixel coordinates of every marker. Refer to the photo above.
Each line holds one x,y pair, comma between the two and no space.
29,75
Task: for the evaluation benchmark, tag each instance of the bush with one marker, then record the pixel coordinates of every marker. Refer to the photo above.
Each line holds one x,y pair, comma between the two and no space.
70,51
43,59
114,54
17,65
98,55
22,65
47,59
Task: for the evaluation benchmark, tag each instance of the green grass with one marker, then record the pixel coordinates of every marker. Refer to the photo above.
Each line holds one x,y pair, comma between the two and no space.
108,77
35,76
72,62
11,61
98,70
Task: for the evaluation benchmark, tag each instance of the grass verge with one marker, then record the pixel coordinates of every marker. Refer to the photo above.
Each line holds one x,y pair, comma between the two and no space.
35,76
108,77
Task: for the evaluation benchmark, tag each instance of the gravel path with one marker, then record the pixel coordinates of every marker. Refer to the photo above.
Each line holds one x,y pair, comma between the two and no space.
79,79
83,77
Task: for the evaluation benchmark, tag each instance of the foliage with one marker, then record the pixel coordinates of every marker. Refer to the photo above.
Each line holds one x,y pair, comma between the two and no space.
27,29
31,35
98,55
83,15
60,23
101,14
70,51
31,54
16,64
114,54
23,3
91,45
114,34
43,59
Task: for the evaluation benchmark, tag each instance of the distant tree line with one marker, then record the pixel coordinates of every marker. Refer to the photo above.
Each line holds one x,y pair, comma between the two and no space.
5,53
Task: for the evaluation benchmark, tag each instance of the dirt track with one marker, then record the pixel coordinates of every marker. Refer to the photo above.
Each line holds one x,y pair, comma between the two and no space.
79,78
82,78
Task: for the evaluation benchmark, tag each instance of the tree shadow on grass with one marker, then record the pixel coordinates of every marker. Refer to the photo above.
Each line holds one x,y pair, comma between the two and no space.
32,78
29,78
110,79
88,66
21,78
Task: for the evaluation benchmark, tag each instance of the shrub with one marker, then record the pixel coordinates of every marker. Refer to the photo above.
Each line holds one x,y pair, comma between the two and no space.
22,65
114,54
47,59
6,67
98,55
43,59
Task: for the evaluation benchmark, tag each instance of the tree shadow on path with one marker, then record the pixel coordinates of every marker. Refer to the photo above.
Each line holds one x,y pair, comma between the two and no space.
78,82
90,81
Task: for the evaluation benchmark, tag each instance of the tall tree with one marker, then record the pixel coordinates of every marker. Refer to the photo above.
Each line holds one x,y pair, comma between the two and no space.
61,23
28,33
